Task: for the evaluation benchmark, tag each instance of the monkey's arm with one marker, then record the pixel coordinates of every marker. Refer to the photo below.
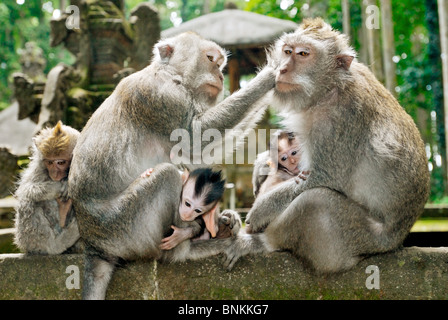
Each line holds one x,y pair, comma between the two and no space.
270,204
36,185
232,110
261,171
179,235
35,234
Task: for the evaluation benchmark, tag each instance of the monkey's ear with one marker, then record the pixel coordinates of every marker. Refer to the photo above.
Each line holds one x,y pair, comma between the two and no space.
210,222
344,61
185,175
165,51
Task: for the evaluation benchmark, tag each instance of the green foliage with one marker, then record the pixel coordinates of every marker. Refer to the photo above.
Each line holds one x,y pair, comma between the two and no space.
18,25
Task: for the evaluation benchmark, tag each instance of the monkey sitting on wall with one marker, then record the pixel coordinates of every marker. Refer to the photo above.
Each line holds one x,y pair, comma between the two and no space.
132,131
45,221
269,173
369,178
199,200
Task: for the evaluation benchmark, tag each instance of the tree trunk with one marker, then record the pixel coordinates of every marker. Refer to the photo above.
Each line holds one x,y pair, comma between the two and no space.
346,17
387,31
371,23
443,27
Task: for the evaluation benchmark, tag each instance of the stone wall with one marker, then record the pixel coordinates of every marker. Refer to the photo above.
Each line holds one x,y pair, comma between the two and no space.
409,273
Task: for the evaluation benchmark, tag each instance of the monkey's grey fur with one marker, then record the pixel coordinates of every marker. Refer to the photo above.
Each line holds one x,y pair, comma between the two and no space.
37,213
369,177
120,214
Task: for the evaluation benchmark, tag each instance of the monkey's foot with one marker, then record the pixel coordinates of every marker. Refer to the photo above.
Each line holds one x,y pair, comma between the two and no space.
229,223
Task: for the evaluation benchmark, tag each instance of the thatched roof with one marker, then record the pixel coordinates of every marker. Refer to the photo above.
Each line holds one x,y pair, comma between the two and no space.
235,28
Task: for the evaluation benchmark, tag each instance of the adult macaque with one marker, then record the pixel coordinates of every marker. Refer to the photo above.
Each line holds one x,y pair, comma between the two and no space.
45,222
282,164
199,200
369,178
130,132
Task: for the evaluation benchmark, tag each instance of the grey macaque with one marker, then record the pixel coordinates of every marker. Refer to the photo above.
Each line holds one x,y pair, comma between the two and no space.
369,178
120,214
45,222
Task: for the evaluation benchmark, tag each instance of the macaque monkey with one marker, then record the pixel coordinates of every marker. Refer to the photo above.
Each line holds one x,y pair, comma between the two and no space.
284,168
45,221
120,214
202,189
369,178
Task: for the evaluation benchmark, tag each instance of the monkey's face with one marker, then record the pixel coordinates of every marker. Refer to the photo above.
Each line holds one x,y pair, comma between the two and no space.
296,61
198,61
209,80
190,206
57,166
288,155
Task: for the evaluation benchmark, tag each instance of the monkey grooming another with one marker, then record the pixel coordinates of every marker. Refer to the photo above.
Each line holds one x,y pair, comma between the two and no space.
285,168
123,217
369,177
45,221
202,189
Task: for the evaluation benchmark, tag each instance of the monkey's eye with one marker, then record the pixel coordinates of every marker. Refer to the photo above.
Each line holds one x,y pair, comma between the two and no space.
288,51
61,162
294,153
210,58
304,53
284,158
198,210
187,204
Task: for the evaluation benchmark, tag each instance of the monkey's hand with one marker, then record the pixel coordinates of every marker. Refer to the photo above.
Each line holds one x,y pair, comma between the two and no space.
179,235
302,176
64,208
64,190
147,173
229,222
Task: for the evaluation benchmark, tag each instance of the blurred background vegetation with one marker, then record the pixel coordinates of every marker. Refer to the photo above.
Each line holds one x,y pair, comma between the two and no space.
416,40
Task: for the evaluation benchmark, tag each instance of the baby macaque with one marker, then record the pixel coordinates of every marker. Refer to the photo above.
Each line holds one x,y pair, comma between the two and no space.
202,189
286,166
45,222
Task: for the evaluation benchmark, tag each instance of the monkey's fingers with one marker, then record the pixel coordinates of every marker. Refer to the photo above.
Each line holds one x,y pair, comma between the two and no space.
230,261
167,243
147,173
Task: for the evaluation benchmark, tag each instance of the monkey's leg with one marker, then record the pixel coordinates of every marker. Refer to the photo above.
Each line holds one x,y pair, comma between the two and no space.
97,274
326,229
269,205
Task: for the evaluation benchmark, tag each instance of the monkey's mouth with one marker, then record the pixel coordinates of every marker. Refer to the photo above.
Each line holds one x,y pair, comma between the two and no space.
282,86
214,87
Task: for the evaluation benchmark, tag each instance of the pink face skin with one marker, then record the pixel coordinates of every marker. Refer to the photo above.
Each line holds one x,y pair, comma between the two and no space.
288,155
295,61
191,207
58,166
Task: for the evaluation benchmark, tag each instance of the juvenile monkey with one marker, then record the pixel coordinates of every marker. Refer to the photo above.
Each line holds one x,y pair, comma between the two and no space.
282,159
45,221
131,132
369,177
202,189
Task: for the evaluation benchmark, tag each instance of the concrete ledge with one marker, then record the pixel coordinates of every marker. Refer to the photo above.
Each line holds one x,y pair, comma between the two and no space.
409,273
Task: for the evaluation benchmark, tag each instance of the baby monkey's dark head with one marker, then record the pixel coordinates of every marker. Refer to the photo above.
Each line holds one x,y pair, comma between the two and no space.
202,190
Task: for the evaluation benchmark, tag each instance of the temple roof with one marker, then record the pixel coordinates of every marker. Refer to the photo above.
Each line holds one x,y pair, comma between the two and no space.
235,28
